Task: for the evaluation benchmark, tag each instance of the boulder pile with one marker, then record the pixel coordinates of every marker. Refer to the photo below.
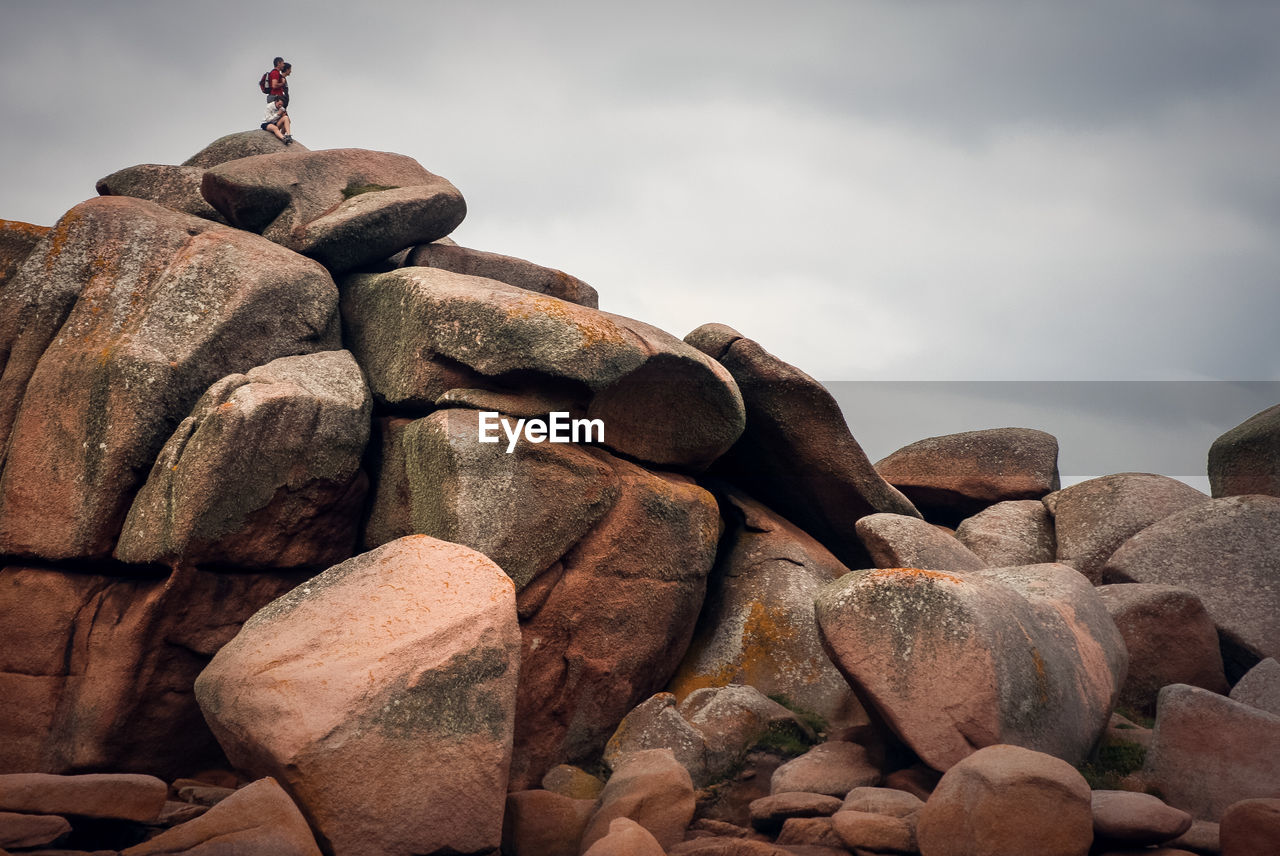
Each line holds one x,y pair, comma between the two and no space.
324,534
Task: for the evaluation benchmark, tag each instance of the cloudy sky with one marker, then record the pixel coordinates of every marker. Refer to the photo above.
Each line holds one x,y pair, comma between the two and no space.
905,190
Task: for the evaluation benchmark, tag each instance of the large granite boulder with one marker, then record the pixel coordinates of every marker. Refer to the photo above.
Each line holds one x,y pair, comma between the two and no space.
17,240
1246,459
508,269
96,672
757,626
1170,639
108,796
421,332
1008,801
954,662
650,788
1093,518
898,541
1209,752
342,207
381,694
176,187
797,455
265,472
1223,550
953,476
241,144
164,305
1016,532
1260,688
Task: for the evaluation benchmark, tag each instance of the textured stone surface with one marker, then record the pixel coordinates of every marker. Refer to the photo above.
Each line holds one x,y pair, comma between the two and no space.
164,305
1008,801
1137,819
23,831
1260,688
258,820
769,813
659,400
797,455
1093,518
17,240
650,788
833,768
757,627
1224,551
512,271
955,662
956,475
381,694
544,823
656,724
878,833
1246,459
1208,752
241,144
121,796
265,472
1170,639
1015,532
886,801
96,672
342,207
1251,828
898,541
176,187
626,838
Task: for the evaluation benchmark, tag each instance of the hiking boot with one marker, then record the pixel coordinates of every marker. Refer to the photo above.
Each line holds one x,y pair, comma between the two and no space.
288,138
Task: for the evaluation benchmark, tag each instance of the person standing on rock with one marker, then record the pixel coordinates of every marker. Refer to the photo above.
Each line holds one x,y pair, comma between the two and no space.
277,84
277,120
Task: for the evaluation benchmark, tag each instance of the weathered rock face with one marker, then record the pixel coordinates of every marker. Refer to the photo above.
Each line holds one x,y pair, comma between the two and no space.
1208,751
17,240
1008,801
544,823
420,332
1246,459
898,541
797,455
96,672
1260,688
650,788
833,768
1016,532
343,207
956,475
242,144
257,820
164,304
176,187
1251,828
1223,550
508,269
265,472
1136,820
1170,639
955,662
97,795
607,626
757,626
381,694
1093,518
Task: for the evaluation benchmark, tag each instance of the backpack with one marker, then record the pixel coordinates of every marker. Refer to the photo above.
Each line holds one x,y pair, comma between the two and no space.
264,83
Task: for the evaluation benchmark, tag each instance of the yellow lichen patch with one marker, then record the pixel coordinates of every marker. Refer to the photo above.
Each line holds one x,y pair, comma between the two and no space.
900,573
764,643
593,331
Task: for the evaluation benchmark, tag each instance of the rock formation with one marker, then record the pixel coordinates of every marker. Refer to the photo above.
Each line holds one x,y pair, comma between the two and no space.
324,534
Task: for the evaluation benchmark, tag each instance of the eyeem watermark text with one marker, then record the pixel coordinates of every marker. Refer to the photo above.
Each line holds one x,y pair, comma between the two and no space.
557,428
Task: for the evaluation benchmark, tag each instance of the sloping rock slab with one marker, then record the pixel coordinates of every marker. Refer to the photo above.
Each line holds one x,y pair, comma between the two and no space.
381,694
257,820
343,207
898,541
121,796
508,269
659,400
265,472
955,662
242,144
96,672
1208,752
1246,459
956,475
165,304
1093,518
1260,688
176,187
1223,550
797,455
17,240
757,627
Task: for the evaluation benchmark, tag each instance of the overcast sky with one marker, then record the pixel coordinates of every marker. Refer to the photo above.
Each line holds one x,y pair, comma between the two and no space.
872,190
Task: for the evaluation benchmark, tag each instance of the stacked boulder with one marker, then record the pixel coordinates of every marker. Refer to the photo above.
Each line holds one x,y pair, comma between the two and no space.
418,539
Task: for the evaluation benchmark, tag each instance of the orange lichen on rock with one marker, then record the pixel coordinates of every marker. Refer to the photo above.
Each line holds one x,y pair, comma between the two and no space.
898,573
